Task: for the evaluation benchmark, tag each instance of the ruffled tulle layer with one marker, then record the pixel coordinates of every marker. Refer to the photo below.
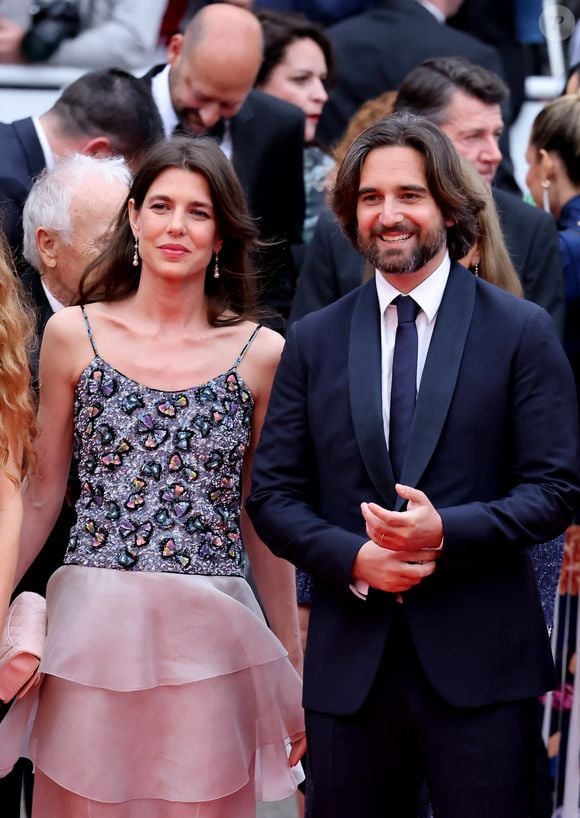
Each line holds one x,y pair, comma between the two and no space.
158,686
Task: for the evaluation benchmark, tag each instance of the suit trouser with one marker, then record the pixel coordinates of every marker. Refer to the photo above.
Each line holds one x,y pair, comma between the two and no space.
478,762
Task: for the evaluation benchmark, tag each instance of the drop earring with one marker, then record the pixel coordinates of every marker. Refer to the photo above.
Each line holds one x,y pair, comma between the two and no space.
546,195
476,268
136,253
216,267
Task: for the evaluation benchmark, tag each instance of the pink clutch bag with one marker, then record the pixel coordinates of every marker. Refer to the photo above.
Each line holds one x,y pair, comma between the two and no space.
21,645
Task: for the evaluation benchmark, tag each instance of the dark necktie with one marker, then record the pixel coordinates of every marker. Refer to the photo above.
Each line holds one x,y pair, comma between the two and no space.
404,381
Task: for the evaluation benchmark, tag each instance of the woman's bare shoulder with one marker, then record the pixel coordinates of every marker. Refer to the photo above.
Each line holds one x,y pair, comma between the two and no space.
267,344
65,340
262,358
265,349
65,324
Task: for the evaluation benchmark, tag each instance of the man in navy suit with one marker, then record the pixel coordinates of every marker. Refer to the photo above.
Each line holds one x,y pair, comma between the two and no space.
407,463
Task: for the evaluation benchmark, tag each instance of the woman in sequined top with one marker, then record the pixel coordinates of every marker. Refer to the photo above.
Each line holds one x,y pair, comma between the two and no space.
162,683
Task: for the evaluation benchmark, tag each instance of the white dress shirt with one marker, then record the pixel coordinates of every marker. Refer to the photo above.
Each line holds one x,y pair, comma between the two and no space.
46,149
55,304
435,10
428,296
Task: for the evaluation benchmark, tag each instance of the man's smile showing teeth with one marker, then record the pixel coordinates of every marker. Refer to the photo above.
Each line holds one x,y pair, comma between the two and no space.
391,238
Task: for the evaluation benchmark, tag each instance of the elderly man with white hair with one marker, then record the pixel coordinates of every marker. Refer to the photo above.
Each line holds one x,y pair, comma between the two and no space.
66,219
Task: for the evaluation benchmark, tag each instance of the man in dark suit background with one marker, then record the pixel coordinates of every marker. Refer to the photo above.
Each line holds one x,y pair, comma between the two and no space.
206,88
100,114
464,100
376,50
435,671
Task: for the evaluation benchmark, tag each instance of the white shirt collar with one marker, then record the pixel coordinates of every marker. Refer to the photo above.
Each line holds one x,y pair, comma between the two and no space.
162,96
435,11
55,304
44,144
428,294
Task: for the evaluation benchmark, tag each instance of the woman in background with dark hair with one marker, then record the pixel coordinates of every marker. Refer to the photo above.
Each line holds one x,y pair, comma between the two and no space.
165,694
554,181
298,67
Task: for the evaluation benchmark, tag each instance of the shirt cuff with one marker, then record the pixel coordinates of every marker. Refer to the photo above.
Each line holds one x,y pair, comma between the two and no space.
360,589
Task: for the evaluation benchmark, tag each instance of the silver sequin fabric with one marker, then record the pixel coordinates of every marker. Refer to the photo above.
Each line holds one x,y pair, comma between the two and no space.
160,474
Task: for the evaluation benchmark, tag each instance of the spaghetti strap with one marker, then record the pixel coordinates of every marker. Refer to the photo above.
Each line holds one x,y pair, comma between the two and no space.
247,345
90,331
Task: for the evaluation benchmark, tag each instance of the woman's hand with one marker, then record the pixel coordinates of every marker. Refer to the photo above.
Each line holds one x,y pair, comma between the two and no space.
298,749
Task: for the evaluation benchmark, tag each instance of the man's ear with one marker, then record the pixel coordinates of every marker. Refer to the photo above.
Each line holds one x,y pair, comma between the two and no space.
99,146
46,246
174,48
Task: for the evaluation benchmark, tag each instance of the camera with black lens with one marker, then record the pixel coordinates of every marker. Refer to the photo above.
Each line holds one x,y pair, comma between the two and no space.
52,22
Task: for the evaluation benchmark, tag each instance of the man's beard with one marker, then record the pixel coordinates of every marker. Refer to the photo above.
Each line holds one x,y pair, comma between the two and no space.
187,126
396,260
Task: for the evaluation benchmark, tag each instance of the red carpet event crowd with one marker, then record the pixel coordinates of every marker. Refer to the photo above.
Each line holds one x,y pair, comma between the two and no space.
289,383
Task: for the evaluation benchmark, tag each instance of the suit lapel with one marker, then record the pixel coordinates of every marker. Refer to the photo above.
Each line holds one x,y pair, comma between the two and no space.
440,373
365,388
147,78
243,143
31,147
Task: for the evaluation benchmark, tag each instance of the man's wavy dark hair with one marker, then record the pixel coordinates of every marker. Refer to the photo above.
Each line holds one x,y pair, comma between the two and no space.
452,191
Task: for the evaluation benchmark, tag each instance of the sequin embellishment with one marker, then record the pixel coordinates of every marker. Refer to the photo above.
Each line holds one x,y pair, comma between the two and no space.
160,474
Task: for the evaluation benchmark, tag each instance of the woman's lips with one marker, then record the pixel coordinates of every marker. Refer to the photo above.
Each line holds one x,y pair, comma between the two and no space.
174,250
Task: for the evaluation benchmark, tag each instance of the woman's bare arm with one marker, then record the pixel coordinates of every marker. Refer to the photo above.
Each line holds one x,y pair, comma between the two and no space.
64,347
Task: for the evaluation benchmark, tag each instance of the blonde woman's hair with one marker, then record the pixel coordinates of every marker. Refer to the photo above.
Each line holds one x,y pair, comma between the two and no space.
17,404
495,264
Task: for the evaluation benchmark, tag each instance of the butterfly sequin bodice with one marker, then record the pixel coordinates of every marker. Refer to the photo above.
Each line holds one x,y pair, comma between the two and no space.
160,474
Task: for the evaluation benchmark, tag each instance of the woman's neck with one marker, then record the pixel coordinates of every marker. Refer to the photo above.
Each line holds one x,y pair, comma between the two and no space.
172,303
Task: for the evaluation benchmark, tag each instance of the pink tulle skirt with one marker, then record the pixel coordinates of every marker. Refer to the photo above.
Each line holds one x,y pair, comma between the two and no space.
163,695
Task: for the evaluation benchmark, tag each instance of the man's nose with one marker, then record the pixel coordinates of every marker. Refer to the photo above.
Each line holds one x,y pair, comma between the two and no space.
209,114
390,213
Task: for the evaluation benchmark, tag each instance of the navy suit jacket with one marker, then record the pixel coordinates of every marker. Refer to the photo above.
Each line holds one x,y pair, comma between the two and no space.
21,161
494,447
376,50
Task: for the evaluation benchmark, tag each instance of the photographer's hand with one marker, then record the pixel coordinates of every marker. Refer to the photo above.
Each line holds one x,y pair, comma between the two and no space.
11,36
